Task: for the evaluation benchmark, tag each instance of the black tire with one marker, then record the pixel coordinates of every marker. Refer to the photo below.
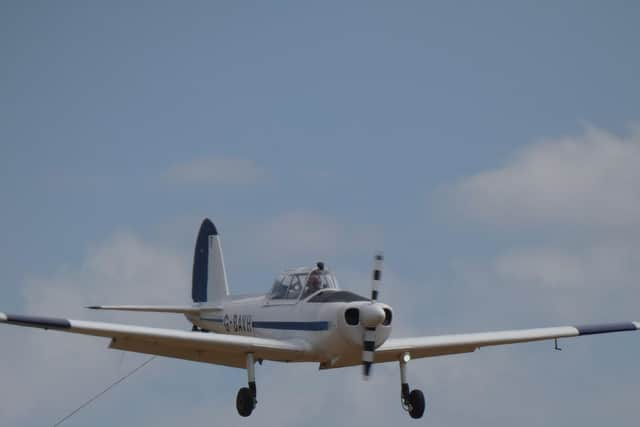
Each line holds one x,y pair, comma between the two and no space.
244,402
416,400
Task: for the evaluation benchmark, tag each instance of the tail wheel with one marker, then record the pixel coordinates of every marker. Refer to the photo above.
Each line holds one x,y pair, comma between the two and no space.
416,400
245,402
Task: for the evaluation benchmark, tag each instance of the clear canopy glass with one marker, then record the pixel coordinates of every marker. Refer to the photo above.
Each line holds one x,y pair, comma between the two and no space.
301,283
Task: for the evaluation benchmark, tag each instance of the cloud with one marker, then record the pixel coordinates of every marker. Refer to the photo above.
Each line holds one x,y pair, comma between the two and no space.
217,171
585,183
302,235
590,179
551,267
51,372
121,269
598,281
604,266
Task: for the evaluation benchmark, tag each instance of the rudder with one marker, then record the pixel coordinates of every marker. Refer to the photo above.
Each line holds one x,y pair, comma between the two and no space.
209,278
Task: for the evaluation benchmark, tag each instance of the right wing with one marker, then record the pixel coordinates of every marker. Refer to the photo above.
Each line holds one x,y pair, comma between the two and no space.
441,345
229,350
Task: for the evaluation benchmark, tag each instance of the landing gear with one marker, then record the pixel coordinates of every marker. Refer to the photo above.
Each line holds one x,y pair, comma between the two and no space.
245,402
416,403
412,400
246,399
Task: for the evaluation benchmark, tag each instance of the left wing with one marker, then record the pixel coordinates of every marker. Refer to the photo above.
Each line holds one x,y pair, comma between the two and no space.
180,309
229,350
419,347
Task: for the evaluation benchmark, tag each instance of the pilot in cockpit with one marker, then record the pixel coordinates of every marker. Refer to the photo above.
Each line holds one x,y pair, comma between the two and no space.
314,282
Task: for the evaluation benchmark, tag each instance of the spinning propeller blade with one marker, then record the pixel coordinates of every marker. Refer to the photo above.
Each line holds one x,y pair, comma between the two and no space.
369,342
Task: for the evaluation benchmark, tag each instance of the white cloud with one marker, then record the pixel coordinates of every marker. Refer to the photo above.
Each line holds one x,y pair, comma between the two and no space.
217,171
586,183
542,266
595,282
591,179
313,236
49,372
599,265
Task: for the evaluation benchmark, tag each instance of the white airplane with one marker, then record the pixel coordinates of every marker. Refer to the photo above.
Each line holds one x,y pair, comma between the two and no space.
304,318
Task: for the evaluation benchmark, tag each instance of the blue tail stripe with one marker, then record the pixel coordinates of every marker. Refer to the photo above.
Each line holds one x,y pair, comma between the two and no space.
201,261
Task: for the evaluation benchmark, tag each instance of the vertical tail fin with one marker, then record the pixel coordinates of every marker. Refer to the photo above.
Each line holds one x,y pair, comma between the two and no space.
209,280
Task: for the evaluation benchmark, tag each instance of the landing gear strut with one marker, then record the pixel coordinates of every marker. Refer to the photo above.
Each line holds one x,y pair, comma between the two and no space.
412,400
246,398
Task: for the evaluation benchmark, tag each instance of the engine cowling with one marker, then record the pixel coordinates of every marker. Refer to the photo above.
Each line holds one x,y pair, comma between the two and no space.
356,317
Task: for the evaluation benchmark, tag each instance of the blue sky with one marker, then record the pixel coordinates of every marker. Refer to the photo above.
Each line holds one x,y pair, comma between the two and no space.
489,149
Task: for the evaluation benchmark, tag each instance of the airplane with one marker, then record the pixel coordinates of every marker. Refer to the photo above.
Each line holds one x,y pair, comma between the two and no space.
305,317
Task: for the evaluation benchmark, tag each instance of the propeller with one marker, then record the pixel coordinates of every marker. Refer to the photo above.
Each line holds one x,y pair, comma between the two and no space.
372,315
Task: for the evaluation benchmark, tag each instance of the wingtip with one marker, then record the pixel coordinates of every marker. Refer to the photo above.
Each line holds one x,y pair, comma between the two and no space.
93,307
37,321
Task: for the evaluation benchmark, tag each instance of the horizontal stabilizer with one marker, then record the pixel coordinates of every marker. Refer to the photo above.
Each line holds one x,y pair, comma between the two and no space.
180,309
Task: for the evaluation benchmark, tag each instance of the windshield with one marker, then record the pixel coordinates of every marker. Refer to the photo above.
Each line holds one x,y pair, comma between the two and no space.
288,286
318,280
291,286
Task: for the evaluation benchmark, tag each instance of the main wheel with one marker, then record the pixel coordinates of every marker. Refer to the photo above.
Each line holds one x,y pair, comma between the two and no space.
244,402
416,400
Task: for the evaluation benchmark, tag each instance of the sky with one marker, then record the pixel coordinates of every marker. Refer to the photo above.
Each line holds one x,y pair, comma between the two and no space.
490,149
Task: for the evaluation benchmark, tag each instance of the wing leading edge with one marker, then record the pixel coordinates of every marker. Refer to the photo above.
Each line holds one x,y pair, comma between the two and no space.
229,350
441,345
148,308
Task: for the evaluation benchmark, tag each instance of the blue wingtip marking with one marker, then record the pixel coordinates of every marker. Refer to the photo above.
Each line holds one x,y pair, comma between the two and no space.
605,328
40,322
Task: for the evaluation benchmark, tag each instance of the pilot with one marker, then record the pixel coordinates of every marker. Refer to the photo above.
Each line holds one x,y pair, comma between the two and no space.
313,283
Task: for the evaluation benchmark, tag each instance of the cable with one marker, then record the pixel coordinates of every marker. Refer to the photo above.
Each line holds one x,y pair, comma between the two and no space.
97,396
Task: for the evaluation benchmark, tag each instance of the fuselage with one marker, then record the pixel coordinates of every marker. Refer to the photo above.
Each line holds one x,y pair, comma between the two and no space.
325,321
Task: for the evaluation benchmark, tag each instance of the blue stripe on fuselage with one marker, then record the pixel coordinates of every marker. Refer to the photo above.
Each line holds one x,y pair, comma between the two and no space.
294,326
219,320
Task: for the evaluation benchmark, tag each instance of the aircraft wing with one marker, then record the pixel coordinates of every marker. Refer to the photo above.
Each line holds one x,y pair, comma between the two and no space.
441,345
149,308
229,350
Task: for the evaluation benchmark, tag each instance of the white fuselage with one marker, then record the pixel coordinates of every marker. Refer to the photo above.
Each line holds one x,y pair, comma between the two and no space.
320,325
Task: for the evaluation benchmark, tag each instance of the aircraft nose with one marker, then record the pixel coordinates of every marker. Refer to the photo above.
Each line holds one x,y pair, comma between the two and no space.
371,315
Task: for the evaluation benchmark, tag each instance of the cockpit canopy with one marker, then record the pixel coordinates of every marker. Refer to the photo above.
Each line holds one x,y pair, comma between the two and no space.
302,282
